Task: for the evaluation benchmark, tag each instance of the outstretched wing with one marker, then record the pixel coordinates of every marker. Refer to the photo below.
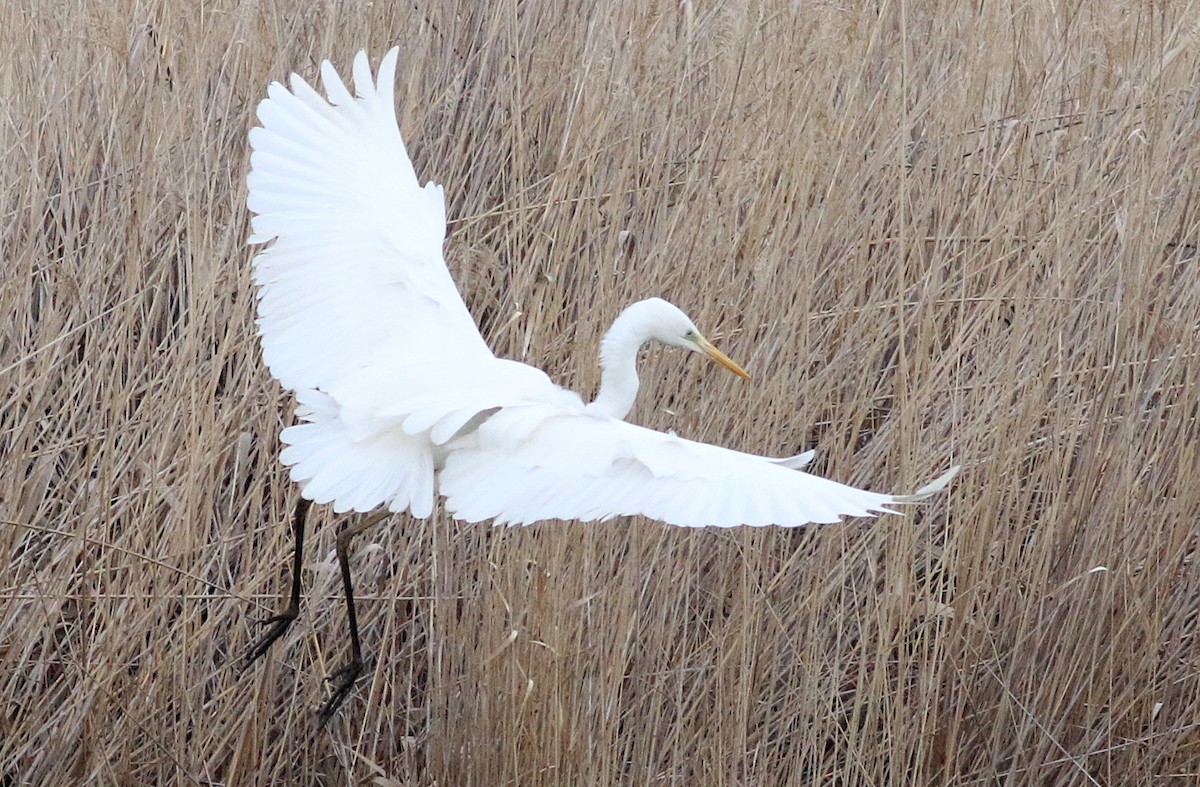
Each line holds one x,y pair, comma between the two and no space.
355,274
531,463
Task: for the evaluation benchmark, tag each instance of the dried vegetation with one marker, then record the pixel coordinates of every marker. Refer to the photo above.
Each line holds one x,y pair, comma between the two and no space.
933,231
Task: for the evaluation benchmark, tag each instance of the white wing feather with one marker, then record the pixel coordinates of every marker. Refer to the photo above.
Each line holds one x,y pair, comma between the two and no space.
531,463
357,312
356,270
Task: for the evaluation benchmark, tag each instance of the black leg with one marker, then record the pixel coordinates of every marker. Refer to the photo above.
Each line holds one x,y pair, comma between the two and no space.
346,675
279,623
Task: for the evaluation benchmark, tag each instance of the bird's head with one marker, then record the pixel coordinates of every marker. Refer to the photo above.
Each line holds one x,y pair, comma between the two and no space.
667,323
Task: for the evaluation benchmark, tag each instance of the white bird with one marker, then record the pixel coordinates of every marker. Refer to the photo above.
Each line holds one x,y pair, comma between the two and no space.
400,399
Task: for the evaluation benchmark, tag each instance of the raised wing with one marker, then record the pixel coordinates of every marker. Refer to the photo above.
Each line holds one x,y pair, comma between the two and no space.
355,274
531,463
357,312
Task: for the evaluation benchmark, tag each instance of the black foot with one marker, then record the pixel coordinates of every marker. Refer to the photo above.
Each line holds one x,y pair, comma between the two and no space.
346,677
279,624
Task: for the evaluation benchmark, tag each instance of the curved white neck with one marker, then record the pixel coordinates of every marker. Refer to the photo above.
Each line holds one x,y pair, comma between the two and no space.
618,365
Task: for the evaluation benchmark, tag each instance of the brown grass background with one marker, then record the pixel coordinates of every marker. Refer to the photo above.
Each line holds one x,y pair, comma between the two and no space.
933,231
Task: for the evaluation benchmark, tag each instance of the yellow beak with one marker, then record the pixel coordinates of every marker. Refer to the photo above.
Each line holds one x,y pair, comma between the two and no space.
712,352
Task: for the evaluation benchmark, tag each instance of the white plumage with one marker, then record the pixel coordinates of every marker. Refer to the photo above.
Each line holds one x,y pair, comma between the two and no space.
400,397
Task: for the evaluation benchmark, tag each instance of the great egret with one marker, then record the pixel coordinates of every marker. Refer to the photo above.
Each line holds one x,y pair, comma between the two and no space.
399,397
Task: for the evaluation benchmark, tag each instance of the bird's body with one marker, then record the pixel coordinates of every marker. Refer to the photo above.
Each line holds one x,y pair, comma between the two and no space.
400,397
401,400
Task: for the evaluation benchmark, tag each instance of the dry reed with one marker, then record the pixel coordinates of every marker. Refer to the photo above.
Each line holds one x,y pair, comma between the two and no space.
932,231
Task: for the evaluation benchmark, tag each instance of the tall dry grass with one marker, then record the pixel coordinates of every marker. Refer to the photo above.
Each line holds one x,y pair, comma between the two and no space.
932,231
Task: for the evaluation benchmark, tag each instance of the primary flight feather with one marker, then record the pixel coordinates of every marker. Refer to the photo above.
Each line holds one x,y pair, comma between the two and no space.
401,399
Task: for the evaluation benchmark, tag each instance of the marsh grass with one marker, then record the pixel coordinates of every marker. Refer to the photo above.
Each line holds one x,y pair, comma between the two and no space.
934,232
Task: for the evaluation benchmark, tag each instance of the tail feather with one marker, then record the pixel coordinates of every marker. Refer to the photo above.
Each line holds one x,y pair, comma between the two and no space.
388,468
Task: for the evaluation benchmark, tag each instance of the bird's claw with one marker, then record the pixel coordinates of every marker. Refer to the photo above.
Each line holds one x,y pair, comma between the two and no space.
346,676
280,618
279,624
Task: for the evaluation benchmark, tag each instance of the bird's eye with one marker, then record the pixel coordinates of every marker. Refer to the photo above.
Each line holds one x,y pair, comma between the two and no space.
690,335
